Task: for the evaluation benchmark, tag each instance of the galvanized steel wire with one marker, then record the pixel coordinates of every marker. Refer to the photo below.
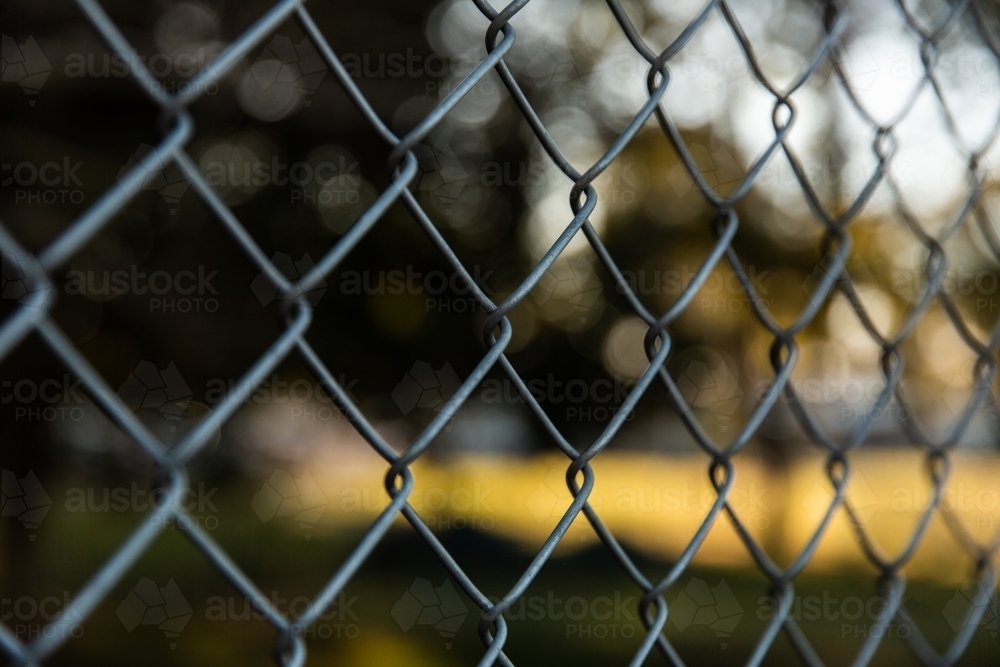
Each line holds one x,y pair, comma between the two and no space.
34,315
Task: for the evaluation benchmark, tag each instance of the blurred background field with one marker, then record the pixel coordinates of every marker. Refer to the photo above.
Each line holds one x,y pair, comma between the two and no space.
288,487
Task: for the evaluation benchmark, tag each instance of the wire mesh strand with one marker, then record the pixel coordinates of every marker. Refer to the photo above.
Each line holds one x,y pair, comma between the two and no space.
33,315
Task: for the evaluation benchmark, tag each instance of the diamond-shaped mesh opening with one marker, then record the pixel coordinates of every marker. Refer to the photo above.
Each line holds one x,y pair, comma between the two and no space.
731,158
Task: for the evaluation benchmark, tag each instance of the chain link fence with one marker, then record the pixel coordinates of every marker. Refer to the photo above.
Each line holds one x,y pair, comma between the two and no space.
28,279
